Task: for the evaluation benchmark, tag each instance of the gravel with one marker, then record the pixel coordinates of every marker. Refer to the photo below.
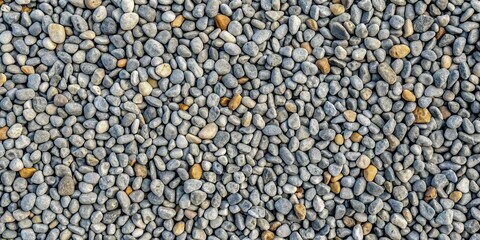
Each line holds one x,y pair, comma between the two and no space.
219,119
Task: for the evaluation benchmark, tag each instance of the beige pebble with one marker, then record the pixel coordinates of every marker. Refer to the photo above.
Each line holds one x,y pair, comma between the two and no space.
57,33
209,131
163,70
145,88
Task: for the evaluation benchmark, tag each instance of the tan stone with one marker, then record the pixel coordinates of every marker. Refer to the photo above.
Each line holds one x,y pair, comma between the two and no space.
337,178
128,190
27,172
399,51
3,133
178,21
348,221
337,9
235,102
339,139
430,194
26,9
455,196
300,211
222,21
445,112
366,228
183,107
56,32
153,82
323,65
422,115
327,177
145,88
356,137
243,80
196,171
275,225
3,79
299,193
193,139
366,93
440,33
312,24
121,63
267,235
179,228
140,170
224,101
290,106
350,115
209,131
408,96
363,161
335,187
407,215
28,70
93,4
163,70
407,28
370,172
307,47
446,61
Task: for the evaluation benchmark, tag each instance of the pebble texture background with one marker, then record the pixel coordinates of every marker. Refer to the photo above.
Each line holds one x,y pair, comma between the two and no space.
239,119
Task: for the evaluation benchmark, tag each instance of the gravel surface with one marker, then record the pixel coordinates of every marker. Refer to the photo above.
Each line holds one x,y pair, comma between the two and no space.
231,119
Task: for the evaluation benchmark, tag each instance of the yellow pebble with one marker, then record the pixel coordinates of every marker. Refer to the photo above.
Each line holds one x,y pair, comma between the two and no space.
222,21
178,21
337,178
337,9
356,137
323,65
128,190
370,172
399,51
335,187
27,172
235,102
408,96
455,196
339,139
196,171
350,115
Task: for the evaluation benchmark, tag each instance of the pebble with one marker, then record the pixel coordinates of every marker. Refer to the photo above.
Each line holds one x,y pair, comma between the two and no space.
208,132
399,51
56,32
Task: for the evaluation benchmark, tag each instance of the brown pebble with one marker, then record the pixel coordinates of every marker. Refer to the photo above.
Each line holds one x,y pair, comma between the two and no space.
3,133
348,221
366,93
267,235
323,65
128,190
408,96
28,70
337,178
300,211
430,194
178,21
407,215
152,82
140,170
27,172
224,101
445,112
235,102
196,171
299,193
307,46
440,33
399,51
370,172
337,9
312,24
121,63
242,80
350,115
455,196
366,228
183,107
422,115
339,139
275,225
356,137
93,4
335,187
222,21
327,177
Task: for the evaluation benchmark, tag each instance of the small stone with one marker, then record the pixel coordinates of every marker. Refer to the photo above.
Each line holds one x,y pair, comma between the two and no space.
128,21
356,137
93,4
128,190
121,63
408,96
456,196
224,101
366,228
178,21
3,79
300,211
222,21
399,51
363,161
407,28
337,9
28,70
15,131
387,73
3,133
27,172
235,102
66,186
430,194
179,228
145,88
140,170
335,187
339,140
56,33
312,24
196,171
208,132
183,107
323,65
350,115
370,172
163,70
267,235
422,115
